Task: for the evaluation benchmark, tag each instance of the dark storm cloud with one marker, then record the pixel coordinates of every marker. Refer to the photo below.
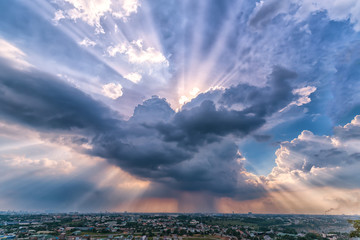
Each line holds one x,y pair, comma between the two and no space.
184,151
205,124
41,101
214,169
188,150
145,156
263,101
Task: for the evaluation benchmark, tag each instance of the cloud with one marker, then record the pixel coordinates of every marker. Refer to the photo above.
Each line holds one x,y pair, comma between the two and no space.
87,43
204,124
183,100
14,55
59,14
127,8
153,110
321,160
112,90
134,77
262,101
89,11
303,97
303,94
213,95
137,54
93,11
42,101
336,10
191,150
265,11
300,10
51,167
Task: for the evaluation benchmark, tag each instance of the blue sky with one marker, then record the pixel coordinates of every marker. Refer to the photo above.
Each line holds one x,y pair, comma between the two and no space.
139,104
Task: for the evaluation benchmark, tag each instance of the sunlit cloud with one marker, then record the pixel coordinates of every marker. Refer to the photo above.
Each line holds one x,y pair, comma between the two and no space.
14,55
137,54
93,11
134,77
112,90
87,43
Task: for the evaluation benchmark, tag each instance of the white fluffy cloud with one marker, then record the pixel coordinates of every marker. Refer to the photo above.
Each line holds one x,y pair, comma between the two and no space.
92,11
59,14
137,54
134,77
127,8
112,90
87,43
303,95
321,160
13,55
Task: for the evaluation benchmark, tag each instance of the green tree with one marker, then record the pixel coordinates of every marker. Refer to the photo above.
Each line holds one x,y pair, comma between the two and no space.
356,225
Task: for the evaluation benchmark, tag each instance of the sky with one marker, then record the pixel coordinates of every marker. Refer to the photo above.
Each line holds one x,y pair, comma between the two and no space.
180,106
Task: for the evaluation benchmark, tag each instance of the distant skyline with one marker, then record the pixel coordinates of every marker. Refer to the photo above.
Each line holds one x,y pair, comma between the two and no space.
180,106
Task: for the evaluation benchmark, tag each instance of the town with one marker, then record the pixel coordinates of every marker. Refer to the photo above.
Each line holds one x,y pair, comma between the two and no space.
172,226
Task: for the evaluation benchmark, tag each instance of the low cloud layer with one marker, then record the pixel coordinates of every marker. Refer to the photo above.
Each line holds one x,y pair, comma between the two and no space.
187,150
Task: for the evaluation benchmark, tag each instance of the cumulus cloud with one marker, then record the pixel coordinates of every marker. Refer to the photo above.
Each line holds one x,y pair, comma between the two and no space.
137,54
204,124
127,8
321,160
89,11
134,77
112,90
153,110
156,143
59,14
189,150
87,43
262,101
93,11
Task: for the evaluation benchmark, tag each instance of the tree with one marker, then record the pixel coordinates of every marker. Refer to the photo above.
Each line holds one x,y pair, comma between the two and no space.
356,225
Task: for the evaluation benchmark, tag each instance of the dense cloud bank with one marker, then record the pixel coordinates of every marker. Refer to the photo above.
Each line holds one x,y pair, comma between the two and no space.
188,150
